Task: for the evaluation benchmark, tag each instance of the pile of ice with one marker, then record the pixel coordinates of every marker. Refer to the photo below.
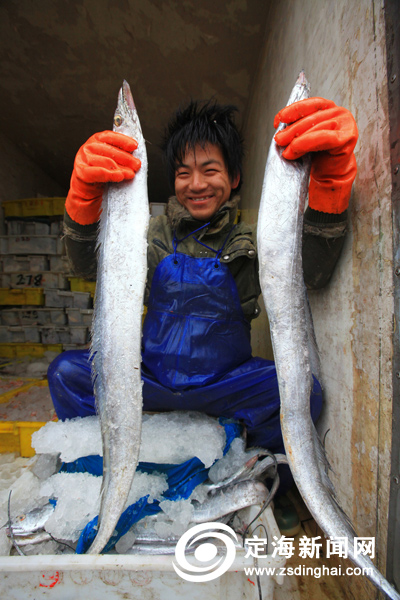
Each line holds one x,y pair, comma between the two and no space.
78,499
167,438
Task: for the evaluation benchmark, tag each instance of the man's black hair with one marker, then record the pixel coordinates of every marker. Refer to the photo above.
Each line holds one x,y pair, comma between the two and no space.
201,123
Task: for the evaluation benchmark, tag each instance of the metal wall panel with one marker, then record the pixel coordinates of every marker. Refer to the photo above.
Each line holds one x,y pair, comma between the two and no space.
392,19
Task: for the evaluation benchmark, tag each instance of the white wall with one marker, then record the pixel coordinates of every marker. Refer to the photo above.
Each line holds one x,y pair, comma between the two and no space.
341,46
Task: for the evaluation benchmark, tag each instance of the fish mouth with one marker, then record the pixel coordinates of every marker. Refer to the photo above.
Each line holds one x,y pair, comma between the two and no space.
127,95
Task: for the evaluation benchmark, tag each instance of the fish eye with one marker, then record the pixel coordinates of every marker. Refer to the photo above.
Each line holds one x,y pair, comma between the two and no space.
117,120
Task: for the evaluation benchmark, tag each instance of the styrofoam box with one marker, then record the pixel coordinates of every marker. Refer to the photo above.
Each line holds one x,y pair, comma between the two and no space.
53,334
79,335
46,280
34,316
56,227
157,208
16,264
112,577
13,335
60,264
79,316
31,244
59,299
28,228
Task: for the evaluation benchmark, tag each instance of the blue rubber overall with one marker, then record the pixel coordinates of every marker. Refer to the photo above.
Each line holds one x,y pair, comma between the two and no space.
196,354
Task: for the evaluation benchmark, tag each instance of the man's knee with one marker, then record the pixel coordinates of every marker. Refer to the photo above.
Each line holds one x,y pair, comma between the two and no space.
69,364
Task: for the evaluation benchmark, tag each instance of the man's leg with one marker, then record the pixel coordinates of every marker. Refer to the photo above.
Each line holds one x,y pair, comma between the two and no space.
249,393
70,384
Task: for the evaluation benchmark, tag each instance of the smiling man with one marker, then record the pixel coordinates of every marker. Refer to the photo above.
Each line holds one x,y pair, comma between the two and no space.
202,182
202,287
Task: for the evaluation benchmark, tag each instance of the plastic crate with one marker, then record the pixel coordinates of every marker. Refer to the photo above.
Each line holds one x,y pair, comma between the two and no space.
26,296
60,299
60,264
148,575
81,285
45,279
38,316
28,228
19,334
63,335
31,244
56,227
34,207
80,316
33,264
16,436
35,350
55,335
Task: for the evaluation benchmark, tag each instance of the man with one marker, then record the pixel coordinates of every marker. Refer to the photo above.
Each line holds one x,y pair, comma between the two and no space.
203,286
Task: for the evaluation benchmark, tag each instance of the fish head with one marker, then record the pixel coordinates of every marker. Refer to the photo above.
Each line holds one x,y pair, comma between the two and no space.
126,119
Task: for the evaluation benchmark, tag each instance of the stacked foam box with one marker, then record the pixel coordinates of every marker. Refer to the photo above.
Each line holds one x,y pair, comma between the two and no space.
42,306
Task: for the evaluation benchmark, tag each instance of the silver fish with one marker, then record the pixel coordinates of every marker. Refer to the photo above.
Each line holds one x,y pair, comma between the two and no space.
32,521
34,538
219,506
230,499
279,235
254,468
116,335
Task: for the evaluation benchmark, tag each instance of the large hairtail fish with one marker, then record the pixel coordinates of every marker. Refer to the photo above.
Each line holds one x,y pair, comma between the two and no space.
280,226
116,335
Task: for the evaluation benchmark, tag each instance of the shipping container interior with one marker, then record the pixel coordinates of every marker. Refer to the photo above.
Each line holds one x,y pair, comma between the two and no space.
62,64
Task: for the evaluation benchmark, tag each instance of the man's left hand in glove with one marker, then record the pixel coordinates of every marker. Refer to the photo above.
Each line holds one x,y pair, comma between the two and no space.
319,126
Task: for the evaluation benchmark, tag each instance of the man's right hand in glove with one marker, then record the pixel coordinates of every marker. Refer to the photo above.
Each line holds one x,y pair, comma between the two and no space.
105,157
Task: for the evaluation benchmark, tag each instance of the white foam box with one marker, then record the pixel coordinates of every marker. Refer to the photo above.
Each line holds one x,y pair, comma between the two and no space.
19,334
33,316
79,316
56,227
31,244
28,228
45,279
137,577
60,264
53,334
15,264
61,299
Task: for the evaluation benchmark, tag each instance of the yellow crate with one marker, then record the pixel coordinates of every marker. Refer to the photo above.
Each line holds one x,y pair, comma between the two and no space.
27,349
25,296
81,285
16,436
34,207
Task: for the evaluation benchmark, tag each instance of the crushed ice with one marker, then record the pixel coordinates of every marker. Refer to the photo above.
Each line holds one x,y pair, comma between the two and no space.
167,438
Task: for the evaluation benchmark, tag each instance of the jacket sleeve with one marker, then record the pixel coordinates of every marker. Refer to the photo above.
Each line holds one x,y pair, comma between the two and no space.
80,243
323,239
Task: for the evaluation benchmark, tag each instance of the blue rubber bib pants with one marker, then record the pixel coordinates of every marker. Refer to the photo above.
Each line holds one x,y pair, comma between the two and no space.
196,355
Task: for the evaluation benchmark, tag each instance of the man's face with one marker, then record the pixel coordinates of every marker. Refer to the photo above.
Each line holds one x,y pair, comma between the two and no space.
202,182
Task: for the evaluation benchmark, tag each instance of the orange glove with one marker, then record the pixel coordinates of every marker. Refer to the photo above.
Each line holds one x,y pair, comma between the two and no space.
106,156
320,126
